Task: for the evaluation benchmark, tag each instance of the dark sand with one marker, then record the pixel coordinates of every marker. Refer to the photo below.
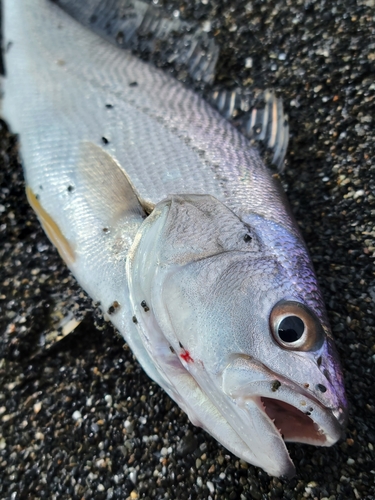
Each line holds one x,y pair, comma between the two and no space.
81,419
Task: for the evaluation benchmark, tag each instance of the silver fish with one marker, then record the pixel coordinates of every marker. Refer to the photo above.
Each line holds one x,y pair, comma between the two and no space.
167,216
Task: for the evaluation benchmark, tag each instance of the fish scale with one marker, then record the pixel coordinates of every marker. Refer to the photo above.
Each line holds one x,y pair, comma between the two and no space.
186,117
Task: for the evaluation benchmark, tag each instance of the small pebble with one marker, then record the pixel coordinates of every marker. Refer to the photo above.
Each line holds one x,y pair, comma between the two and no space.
77,415
211,487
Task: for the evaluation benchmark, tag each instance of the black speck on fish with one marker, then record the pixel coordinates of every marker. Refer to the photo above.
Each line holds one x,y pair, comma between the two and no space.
113,308
145,306
276,384
120,38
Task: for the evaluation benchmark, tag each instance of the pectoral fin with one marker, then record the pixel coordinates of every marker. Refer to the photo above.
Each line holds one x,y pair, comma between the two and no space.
107,189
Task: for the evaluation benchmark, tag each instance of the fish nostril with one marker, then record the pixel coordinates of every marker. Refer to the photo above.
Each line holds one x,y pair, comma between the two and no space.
327,375
321,387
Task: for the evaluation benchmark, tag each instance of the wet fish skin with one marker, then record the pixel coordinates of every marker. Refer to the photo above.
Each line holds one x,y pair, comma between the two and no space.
204,271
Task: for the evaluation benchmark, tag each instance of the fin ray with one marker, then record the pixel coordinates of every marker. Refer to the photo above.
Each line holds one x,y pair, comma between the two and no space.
106,187
135,25
260,118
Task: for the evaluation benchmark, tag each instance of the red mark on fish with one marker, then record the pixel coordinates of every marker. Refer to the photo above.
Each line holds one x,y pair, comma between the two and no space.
186,357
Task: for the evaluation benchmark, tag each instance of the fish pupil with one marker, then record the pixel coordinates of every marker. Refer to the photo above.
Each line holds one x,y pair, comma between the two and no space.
291,329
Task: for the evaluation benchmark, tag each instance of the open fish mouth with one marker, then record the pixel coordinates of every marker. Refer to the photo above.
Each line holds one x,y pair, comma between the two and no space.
270,410
292,423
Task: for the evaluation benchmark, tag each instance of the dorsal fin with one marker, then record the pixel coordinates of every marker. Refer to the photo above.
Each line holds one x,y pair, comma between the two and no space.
261,118
135,25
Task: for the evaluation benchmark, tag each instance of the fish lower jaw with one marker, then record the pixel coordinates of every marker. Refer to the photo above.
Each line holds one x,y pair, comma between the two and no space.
277,422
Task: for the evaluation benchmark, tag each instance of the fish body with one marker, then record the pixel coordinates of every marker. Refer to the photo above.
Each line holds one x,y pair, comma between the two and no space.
168,218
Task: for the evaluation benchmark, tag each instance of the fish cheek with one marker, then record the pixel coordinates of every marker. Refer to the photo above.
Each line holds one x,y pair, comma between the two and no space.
219,306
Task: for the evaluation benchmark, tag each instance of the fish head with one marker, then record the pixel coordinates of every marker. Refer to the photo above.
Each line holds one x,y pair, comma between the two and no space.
231,314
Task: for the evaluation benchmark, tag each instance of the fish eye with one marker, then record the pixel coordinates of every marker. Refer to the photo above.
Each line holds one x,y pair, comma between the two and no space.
295,327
